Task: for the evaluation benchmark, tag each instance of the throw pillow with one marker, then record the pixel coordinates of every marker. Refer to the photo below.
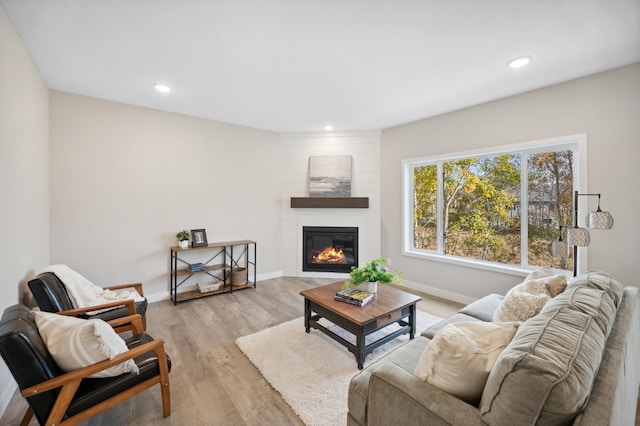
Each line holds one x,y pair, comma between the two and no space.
523,301
460,356
75,343
557,283
543,272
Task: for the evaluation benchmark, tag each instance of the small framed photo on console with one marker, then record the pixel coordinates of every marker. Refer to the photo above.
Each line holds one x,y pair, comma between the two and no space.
198,237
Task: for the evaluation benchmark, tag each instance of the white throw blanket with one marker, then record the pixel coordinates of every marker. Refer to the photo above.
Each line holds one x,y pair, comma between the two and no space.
84,293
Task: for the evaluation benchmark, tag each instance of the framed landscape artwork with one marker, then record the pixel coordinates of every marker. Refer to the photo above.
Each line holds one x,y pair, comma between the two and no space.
330,176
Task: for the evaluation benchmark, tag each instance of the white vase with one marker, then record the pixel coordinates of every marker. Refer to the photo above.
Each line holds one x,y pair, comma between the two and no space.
183,244
372,286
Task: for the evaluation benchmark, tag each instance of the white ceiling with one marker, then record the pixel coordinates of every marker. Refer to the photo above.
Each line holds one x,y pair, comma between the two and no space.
294,65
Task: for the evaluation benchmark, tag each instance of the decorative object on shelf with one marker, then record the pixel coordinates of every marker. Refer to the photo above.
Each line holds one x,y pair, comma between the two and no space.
239,275
196,267
330,176
577,236
183,238
198,238
374,271
209,286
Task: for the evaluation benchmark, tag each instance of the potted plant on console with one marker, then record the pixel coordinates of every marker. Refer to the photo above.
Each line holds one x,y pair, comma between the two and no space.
372,273
183,239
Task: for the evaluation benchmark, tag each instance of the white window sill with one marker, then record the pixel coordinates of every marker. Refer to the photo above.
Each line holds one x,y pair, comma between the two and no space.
476,264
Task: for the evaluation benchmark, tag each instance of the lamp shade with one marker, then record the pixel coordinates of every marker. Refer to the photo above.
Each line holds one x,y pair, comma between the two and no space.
578,237
599,220
559,249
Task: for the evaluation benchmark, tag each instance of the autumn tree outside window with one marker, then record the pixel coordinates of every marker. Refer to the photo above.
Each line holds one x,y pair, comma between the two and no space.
500,207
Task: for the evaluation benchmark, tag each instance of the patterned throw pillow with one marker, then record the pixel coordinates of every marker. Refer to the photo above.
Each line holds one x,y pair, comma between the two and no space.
557,283
523,301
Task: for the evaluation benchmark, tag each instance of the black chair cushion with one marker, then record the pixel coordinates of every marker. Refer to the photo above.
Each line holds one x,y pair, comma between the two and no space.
93,391
50,293
27,357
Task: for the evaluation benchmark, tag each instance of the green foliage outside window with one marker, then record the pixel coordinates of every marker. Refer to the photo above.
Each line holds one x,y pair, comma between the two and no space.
482,210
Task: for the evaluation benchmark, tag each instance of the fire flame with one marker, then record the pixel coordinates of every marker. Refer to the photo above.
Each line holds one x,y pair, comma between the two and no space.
330,255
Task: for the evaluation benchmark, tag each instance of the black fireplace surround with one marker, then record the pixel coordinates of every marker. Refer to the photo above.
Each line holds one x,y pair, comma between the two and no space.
329,249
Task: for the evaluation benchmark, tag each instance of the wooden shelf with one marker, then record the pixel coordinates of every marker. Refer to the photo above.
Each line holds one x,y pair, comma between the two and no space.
239,254
329,202
208,268
196,294
214,245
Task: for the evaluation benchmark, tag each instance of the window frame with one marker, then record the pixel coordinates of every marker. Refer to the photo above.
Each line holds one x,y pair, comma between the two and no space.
577,143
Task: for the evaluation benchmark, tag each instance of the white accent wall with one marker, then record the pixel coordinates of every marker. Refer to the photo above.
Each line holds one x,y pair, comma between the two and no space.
364,148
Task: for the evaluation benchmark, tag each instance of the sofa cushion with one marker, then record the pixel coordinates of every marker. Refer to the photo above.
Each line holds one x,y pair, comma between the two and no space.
75,343
546,373
523,301
483,308
406,357
460,356
431,331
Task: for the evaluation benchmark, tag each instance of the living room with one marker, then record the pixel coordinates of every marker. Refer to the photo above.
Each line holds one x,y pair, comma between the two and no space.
104,186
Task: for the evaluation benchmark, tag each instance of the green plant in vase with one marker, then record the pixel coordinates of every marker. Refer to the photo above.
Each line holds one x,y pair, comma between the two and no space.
183,238
374,271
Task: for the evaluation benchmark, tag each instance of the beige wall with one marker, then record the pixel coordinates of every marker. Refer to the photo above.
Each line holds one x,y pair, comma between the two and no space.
24,175
605,106
125,179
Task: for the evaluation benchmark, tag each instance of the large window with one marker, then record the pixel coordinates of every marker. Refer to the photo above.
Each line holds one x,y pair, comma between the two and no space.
499,208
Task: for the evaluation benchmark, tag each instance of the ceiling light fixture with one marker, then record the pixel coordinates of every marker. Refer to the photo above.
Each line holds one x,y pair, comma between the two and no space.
520,62
162,88
328,127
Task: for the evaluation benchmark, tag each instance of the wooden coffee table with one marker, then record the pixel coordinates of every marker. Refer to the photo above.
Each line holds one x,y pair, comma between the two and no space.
388,306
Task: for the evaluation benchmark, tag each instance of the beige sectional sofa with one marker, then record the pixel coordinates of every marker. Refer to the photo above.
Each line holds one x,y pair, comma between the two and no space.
576,362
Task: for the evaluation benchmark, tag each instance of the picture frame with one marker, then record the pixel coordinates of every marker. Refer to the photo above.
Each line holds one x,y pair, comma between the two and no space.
198,238
330,176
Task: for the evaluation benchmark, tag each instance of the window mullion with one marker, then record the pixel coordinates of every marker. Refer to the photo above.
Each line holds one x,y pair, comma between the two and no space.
440,208
524,210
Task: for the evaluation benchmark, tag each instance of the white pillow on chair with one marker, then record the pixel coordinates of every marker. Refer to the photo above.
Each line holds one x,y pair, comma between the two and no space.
75,343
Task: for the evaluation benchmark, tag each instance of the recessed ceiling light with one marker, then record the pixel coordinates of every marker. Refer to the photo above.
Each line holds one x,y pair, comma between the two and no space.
162,88
520,62
328,127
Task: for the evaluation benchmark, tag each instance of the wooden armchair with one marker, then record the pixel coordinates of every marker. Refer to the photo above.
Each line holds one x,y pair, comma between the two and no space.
51,296
58,397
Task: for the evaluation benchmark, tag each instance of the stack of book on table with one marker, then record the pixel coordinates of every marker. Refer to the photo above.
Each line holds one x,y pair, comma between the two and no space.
354,296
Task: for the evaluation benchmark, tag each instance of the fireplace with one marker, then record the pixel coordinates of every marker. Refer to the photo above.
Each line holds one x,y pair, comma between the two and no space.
329,249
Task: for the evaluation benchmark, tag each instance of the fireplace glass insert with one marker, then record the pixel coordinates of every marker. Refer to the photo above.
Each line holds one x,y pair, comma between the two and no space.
329,249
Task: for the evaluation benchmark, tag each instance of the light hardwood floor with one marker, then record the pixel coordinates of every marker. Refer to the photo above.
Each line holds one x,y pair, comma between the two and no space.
212,382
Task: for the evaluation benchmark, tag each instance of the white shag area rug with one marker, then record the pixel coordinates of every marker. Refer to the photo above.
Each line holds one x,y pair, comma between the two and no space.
312,371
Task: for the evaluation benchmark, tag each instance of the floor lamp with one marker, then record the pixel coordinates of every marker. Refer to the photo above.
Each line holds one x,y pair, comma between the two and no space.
579,237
